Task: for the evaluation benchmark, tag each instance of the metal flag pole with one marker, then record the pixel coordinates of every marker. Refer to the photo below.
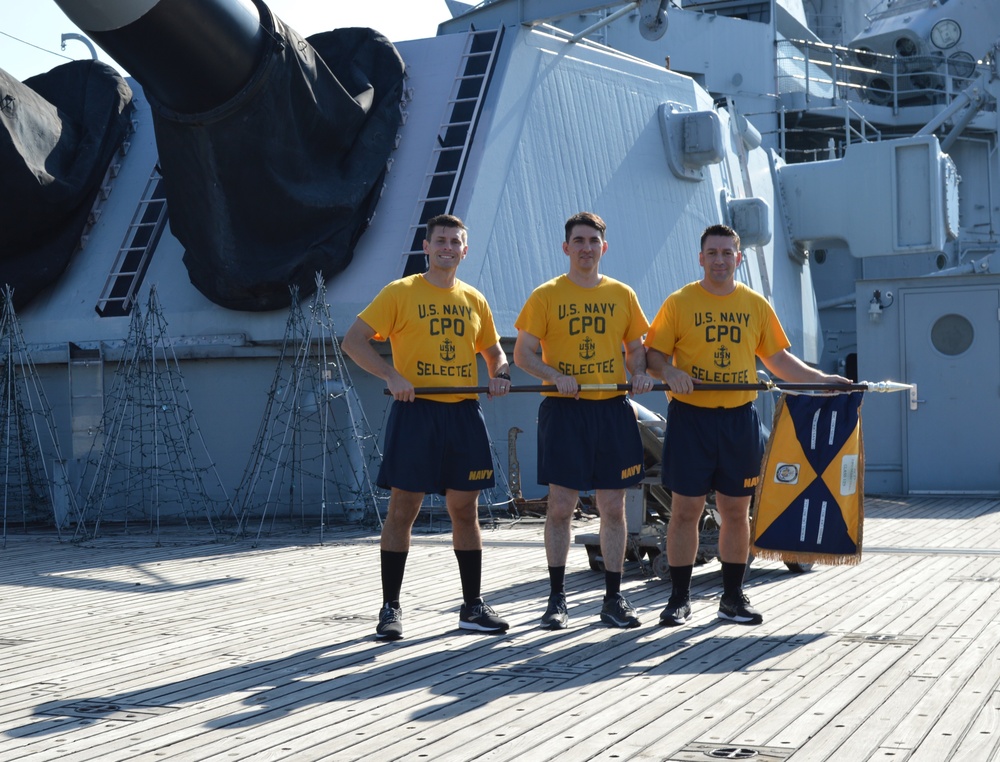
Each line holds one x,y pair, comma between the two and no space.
762,386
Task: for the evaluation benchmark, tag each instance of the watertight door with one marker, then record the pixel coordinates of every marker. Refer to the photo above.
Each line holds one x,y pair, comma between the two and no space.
952,354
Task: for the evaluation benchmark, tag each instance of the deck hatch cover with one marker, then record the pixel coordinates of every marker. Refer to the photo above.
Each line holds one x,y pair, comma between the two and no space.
700,752
108,710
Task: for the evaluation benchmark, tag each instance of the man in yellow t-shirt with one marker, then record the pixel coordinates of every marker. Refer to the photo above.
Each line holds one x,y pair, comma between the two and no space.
436,325
713,331
587,440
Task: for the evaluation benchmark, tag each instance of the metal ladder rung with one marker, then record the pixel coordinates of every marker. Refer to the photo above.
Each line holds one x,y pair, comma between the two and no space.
153,205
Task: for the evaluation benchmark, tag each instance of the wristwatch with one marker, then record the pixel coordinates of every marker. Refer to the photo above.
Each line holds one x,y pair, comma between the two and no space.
504,376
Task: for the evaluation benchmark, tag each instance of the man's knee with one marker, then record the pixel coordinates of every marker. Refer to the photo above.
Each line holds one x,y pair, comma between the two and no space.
686,510
733,508
462,505
562,503
612,513
404,506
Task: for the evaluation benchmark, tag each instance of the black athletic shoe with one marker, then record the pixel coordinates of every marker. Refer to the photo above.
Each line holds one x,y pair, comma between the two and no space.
390,623
676,613
737,608
480,617
619,613
556,616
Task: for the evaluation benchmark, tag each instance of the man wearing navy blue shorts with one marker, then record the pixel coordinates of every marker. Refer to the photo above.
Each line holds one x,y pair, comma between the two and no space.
587,440
713,330
436,325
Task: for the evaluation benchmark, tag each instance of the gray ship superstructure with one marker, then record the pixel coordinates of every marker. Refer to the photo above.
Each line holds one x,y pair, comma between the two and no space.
853,145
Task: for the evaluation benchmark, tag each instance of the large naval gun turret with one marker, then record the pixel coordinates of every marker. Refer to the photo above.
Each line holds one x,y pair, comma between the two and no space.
271,146
58,133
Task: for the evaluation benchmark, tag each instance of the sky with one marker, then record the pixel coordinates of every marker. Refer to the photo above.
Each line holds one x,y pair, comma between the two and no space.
31,30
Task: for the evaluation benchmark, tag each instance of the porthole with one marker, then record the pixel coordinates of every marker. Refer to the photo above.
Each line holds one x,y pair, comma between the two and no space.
952,334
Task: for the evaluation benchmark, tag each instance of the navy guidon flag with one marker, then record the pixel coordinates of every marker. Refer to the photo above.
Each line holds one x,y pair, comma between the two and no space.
809,505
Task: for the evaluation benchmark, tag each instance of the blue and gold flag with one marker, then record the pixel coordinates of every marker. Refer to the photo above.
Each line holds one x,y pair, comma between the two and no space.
809,506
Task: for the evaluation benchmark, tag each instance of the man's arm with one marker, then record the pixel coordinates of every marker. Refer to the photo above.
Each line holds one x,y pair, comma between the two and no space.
659,366
526,357
635,363
496,363
357,345
788,367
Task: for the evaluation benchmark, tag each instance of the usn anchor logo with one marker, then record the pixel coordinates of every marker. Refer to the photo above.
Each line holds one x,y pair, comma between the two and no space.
722,357
447,350
587,348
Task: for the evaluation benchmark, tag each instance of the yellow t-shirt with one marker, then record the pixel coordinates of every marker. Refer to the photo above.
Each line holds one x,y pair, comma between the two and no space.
582,330
435,333
717,339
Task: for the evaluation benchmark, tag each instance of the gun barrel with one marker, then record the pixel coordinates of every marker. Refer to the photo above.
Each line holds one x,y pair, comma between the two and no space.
189,55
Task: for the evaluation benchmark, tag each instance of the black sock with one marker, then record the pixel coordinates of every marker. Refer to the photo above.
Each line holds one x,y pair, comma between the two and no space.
732,578
680,582
393,566
557,580
470,570
612,584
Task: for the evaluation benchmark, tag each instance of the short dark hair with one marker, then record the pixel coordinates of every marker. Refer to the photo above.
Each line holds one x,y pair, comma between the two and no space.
721,230
444,221
585,218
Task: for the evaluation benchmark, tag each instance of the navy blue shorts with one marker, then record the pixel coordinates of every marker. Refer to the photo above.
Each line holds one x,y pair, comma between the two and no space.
436,446
589,444
709,449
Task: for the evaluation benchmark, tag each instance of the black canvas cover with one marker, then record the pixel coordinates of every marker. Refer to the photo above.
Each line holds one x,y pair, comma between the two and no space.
58,134
281,181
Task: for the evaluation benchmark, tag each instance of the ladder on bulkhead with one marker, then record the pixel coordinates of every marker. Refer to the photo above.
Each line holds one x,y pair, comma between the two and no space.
454,138
122,286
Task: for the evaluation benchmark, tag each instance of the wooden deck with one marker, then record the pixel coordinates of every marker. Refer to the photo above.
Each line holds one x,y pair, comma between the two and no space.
120,650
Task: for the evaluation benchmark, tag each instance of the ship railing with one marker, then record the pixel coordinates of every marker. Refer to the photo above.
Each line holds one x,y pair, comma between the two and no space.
815,74
751,10
855,128
896,7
